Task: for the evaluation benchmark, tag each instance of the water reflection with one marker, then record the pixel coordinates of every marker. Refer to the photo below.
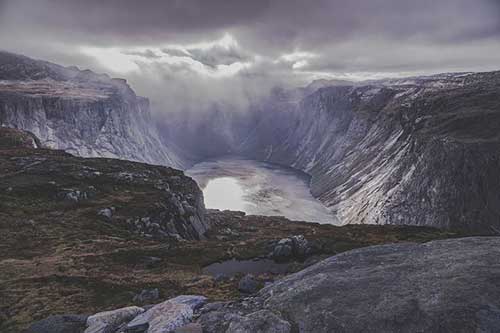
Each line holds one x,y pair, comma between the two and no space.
259,188
224,193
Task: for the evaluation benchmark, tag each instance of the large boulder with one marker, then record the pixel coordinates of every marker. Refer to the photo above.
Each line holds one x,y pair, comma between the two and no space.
287,248
107,321
441,286
167,316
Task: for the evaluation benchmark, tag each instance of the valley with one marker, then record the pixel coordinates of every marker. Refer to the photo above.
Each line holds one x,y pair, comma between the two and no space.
381,192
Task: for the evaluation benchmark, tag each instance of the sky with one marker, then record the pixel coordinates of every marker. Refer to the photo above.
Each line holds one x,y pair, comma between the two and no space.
189,54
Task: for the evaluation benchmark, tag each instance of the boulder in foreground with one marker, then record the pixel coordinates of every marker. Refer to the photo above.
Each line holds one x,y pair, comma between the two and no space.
440,286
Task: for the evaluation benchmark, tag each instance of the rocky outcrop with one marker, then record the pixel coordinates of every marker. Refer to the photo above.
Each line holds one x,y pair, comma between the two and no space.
151,201
11,138
167,316
440,286
84,113
109,321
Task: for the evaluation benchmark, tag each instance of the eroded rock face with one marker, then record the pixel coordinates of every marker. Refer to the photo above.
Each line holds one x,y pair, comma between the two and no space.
81,112
440,286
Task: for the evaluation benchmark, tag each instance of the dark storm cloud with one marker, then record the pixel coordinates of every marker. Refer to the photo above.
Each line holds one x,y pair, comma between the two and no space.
271,23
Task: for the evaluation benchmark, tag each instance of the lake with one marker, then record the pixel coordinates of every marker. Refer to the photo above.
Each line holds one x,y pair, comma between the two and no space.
259,188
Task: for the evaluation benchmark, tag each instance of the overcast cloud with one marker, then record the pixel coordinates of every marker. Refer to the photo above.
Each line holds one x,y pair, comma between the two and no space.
190,54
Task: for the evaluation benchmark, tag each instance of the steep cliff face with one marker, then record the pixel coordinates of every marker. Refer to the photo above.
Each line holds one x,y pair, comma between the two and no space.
421,151
81,112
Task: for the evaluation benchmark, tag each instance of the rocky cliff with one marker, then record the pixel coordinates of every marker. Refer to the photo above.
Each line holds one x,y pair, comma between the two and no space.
81,112
421,151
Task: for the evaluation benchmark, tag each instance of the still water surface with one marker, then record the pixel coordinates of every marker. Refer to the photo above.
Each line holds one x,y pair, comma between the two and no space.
258,188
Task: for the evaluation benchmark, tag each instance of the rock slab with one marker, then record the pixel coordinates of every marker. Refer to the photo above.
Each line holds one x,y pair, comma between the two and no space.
440,286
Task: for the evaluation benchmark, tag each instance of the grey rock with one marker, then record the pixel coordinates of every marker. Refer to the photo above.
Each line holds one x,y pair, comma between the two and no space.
190,328
213,306
216,321
167,316
151,262
147,296
295,246
106,213
248,284
103,322
300,246
440,286
59,324
193,301
74,195
162,318
283,250
263,321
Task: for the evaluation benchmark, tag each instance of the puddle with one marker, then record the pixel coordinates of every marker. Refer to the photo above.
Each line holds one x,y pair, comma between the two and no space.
256,267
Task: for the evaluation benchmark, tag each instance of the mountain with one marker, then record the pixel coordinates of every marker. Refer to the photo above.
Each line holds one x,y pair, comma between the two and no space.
84,113
422,151
419,151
